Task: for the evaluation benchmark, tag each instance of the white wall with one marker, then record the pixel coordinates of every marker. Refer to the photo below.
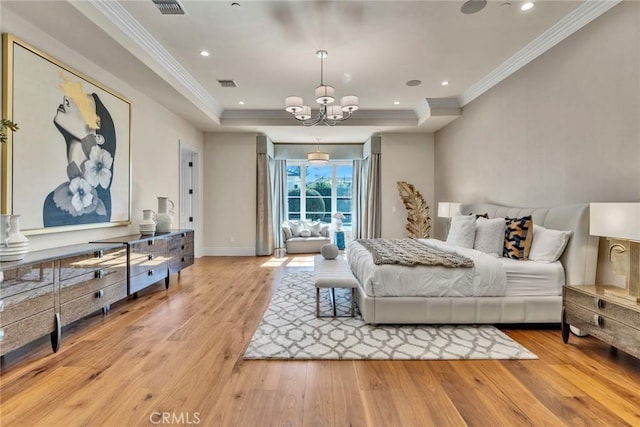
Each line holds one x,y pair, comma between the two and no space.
230,194
405,157
156,133
564,129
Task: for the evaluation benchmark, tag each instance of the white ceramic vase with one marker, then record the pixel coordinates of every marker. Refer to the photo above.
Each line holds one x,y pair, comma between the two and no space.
15,245
148,224
165,215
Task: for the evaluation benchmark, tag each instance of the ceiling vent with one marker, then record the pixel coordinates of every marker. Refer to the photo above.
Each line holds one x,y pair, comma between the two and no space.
228,83
169,7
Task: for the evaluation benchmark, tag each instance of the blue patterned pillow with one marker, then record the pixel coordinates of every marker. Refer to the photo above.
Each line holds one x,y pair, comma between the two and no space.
517,238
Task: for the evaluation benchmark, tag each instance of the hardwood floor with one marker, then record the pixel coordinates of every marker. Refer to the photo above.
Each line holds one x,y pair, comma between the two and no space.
175,357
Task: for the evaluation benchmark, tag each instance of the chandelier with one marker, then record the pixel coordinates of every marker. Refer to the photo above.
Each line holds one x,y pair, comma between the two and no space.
330,115
317,157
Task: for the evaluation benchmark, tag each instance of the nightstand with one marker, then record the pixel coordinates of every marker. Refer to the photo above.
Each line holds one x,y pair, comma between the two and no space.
615,321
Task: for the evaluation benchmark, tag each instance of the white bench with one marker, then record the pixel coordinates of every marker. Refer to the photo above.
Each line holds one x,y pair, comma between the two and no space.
331,274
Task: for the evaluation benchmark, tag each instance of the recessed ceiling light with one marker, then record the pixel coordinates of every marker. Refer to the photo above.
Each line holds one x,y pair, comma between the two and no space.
204,52
473,6
526,5
414,83
396,102
241,102
445,83
235,4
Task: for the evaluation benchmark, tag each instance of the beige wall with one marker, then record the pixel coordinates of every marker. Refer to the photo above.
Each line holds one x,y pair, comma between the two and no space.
230,194
405,157
156,133
564,129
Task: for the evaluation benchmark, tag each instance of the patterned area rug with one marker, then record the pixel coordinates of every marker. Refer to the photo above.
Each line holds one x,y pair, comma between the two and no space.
290,330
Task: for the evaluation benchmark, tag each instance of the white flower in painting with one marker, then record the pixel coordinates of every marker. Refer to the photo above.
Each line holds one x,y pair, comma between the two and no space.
82,194
97,169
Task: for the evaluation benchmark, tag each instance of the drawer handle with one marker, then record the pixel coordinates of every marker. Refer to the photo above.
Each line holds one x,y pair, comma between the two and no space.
150,257
598,303
1,306
597,320
99,274
150,273
150,242
184,235
182,247
183,259
99,254
100,293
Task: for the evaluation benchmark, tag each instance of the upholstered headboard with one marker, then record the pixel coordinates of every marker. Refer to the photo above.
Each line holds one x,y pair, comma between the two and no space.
580,258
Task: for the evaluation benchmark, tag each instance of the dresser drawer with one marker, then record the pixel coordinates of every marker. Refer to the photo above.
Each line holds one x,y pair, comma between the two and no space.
183,239
606,307
23,279
87,304
19,333
25,304
97,260
149,246
88,283
180,261
147,278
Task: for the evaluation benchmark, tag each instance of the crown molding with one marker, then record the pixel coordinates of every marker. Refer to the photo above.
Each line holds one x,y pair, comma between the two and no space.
134,31
578,18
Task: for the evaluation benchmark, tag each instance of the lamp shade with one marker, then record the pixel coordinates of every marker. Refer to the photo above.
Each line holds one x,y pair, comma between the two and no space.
293,104
448,209
317,157
349,103
617,220
325,94
304,113
334,112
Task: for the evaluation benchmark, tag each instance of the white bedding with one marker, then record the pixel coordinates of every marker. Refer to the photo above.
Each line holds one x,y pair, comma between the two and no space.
486,278
530,278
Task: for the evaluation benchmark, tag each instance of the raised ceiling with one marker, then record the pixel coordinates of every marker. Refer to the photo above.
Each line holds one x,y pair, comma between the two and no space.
268,48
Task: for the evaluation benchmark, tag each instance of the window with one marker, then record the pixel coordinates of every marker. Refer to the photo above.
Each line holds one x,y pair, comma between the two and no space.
317,192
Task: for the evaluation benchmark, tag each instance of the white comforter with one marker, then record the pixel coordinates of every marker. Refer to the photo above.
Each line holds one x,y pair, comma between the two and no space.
486,278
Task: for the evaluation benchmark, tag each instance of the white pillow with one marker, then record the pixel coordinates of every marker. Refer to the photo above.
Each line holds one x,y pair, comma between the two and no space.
296,228
314,227
548,244
463,231
305,233
490,235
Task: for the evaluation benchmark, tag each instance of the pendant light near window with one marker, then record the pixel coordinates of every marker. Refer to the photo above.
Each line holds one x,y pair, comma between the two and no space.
318,157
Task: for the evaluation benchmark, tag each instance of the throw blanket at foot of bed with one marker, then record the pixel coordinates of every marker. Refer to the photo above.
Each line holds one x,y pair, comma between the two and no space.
411,252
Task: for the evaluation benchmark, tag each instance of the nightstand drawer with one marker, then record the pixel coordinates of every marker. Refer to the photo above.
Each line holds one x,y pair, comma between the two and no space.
149,246
23,331
180,240
87,304
90,282
25,304
603,305
605,328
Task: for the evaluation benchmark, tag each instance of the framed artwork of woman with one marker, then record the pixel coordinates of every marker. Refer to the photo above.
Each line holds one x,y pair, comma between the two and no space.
69,167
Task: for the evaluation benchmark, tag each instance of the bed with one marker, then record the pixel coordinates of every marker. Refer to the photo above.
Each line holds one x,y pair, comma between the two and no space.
531,292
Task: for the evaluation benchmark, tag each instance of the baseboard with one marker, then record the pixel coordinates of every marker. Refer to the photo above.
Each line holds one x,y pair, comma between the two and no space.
232,251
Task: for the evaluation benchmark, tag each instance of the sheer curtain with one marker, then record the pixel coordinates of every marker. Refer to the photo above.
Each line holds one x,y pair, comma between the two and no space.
279,168
264,212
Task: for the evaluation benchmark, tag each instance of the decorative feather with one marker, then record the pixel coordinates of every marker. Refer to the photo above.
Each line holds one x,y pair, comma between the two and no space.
418,221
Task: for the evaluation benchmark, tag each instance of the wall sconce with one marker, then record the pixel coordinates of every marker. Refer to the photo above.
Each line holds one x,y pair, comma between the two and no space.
448,209
620,221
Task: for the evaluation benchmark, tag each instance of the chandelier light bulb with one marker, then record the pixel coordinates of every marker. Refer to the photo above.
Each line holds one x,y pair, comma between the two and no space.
334,112
325,94
304,113
349,103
